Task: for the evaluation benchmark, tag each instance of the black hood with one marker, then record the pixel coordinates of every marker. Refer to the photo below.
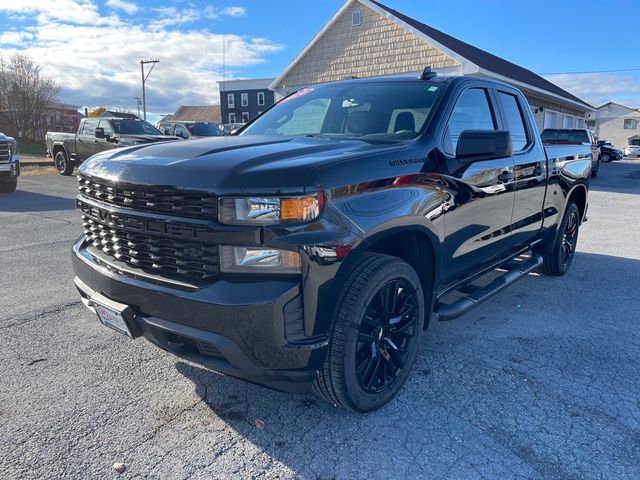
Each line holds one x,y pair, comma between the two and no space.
232,164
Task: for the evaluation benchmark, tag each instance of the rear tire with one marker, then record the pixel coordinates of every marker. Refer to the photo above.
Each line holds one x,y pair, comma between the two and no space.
8,186
605,158
558,260
64,166
377,329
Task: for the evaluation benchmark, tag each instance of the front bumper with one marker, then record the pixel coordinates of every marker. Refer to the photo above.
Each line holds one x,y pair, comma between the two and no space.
10,169
236,327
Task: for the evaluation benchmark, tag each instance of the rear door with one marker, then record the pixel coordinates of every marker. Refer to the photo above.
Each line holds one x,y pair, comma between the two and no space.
530,166
86,139
478,218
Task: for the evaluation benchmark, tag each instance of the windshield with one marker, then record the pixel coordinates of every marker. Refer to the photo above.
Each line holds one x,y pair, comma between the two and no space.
374,111
130,126
204,130
565,136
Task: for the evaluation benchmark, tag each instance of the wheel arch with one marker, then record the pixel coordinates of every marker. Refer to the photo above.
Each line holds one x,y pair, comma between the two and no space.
57,147
578,195
415,243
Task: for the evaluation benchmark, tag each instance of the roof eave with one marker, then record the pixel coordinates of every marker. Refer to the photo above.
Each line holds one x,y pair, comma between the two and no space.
534,89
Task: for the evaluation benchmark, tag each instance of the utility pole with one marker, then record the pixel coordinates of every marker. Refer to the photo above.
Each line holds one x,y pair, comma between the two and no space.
144,79
138,103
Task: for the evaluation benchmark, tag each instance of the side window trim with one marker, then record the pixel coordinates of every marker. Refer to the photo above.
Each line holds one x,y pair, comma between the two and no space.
523,115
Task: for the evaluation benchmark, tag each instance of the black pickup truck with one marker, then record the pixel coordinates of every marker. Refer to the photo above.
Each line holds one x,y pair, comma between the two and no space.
311,250
96,135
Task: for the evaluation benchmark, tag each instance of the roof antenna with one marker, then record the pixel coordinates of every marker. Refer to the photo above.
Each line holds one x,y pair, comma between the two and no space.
427,73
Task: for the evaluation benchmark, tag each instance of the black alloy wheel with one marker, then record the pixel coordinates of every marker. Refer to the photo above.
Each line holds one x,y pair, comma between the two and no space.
559,255
385,335
376,334
570,238
62,163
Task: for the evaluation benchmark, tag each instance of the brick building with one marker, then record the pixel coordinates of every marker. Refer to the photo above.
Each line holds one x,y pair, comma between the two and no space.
366,38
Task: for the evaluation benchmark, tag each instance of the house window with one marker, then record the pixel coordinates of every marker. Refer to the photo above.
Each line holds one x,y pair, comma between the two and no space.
260,98
580,122
245,117
232,118
567,121
356,18
550,119
244,99
231,100
629,124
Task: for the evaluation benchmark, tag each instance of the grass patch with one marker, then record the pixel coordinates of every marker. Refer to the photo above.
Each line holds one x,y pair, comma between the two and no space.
30,171
31,147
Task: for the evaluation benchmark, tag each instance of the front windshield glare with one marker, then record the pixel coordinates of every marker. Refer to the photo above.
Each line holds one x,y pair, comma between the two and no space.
376,111
133,127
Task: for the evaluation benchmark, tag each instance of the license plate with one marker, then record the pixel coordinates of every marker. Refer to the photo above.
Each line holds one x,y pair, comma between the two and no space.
112,318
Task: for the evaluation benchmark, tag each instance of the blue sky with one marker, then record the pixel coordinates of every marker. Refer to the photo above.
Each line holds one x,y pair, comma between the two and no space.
92,46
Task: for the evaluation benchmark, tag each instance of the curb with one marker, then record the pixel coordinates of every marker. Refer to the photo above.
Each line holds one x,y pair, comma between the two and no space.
43,163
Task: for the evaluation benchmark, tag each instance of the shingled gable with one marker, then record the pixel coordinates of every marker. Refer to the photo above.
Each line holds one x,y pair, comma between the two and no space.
472,59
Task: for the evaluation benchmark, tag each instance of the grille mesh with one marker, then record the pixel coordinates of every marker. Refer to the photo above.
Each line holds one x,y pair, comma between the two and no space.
152,199
153,254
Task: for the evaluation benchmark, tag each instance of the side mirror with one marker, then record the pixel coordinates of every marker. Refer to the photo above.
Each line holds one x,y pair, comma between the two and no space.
478,145
99,132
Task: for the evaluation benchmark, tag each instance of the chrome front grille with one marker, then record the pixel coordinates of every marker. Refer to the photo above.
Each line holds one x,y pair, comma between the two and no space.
5,152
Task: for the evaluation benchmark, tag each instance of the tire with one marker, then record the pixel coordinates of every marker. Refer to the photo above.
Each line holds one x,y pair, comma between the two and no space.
605,158
370,355
8,186
559,259
64,166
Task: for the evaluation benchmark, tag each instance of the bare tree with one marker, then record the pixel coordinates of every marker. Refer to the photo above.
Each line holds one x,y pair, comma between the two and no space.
25,95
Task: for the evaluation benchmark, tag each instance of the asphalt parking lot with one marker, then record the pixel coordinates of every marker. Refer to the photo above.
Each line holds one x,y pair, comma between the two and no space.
541,382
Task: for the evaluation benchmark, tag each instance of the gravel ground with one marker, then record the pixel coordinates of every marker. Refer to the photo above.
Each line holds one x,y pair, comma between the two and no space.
541,382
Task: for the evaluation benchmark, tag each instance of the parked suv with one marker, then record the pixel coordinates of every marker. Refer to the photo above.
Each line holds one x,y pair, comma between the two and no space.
190,130
9,164
568,136
313,249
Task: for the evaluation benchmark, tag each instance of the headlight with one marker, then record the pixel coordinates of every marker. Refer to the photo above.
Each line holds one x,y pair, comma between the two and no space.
258,260
269,210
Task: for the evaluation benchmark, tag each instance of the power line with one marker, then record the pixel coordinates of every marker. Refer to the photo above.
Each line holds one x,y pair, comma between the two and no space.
593,71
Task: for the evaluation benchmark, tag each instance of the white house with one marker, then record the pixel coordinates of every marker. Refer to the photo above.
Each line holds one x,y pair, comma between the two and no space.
616,123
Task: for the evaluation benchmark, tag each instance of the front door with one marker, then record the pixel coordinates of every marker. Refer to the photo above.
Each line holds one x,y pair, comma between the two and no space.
478,217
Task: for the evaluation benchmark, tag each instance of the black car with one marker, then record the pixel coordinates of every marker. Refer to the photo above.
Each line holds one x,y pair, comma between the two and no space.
608,153
313,249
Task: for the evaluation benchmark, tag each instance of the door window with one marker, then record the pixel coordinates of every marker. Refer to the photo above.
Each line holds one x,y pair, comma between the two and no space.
89,127
181,132
472,112
108,130
514,120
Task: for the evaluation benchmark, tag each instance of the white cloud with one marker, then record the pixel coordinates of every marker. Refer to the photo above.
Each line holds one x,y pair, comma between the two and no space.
96,62
14,38
127,7
599,88
234,11
81,12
